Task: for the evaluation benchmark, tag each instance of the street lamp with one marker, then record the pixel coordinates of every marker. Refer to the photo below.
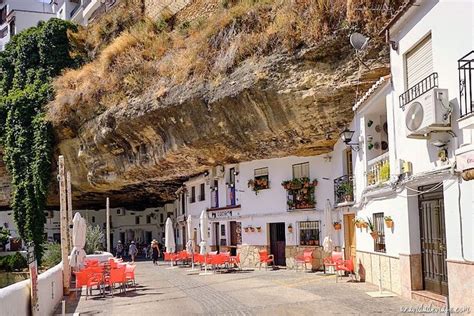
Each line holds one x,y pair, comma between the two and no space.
346,137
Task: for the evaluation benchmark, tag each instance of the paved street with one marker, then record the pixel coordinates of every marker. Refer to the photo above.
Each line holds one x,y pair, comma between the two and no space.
281,292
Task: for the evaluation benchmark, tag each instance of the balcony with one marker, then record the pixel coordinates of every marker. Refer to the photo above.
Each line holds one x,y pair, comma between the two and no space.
378,170
300,193
344,190
466,91
231,201
418,89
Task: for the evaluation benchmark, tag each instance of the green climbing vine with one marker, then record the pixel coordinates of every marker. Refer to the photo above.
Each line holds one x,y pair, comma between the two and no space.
27,66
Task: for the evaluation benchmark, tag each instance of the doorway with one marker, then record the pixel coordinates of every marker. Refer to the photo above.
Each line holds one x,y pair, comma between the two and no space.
148,237
216,236
233,238
433,241
278,243
349,237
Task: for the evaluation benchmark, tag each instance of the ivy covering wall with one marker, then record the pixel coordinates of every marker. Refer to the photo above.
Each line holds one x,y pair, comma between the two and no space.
27,66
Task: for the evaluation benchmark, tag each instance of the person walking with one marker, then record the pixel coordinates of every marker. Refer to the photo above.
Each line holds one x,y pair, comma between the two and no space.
132,251
119,250
155,251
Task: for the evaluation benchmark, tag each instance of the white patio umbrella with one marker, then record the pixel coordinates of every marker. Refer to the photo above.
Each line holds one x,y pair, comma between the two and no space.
190,243
170,243
328,243
203,222
78,241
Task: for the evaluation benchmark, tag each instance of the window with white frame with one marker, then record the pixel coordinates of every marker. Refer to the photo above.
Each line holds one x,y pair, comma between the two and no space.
301,170
261,179
309,232
193,194
418,62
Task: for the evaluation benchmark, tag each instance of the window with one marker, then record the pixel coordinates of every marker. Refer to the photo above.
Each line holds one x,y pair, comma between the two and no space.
193,194
222,230
137,220
148,219
202,193
162,218
261,179
379,242
419,62
309,233
301,170
3,15
348,161
93,219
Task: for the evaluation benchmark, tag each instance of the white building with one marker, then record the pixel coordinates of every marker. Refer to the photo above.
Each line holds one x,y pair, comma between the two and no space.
15,16
81,11
409,129
249,209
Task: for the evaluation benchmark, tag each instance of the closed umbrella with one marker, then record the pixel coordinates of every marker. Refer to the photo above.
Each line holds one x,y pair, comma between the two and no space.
170,243
78,241
328,243
203,222
190,243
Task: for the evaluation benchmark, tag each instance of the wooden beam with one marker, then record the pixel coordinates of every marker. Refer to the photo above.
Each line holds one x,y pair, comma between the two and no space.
64,228
107,220
69,211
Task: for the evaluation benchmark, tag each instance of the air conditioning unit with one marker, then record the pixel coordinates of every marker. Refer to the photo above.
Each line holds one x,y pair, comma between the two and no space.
120,212
427,113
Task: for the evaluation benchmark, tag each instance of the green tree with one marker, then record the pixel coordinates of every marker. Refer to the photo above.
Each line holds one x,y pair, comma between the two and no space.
27,66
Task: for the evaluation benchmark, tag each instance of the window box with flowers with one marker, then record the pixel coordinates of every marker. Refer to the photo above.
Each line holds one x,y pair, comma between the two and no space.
300,193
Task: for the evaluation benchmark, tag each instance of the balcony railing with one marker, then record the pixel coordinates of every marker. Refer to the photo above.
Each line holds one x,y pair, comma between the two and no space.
419,89
466,75
344,189
378,170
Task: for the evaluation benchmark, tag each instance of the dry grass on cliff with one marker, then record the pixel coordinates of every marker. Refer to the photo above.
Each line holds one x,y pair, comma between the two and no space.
150,55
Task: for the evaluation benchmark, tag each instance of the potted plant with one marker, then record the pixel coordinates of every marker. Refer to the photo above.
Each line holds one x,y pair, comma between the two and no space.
286,184
246,229
291,204
345,189
252,229
358,222
290,228
259,228
385,172
388,221
337,225
373,231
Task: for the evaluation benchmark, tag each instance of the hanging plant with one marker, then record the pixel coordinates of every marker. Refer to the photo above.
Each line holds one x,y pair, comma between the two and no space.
388,221
337,225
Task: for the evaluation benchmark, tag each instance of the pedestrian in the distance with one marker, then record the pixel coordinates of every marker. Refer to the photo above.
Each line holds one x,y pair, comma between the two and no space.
119,249
132,251
155,251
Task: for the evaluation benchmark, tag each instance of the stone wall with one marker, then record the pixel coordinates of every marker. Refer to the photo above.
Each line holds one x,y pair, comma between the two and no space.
369,267
292,251
460,283
249,257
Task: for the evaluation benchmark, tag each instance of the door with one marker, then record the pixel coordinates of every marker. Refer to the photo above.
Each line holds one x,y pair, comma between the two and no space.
148,237
122,237
433,241
278,243
233,238
216,235
349,237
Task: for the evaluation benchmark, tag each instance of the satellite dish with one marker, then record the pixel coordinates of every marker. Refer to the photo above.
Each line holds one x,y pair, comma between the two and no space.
358,41
414,116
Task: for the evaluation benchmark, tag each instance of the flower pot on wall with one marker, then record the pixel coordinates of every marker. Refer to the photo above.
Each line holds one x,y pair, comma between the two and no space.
374,234
259,229
337,226
246,229
290,229
389,223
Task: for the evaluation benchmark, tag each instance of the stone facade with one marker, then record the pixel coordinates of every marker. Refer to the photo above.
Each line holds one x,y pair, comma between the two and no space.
369,266
291,252
249,257
461,280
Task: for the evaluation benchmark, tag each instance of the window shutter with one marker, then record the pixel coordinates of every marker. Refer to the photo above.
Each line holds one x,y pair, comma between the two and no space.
419,62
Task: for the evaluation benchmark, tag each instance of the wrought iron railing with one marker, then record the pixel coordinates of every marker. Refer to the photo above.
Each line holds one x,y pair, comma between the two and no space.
378,170
419,89
466,76
344,189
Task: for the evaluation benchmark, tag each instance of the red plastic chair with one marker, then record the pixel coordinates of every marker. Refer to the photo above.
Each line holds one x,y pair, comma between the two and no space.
346,266
198,258
304,259
235,260
81,279
130,275
265,258
117,276
91,262
331,261
95,277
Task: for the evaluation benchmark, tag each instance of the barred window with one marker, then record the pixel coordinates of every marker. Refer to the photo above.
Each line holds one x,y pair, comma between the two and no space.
379,242
309,232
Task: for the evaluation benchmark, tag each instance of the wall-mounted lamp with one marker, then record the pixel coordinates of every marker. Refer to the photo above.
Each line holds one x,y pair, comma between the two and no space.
206,173
346,137
236,173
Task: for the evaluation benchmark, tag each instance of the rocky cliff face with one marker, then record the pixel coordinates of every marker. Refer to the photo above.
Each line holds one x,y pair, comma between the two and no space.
280,104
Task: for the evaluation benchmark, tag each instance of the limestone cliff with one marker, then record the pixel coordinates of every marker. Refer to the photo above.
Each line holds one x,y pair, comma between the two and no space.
277,102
